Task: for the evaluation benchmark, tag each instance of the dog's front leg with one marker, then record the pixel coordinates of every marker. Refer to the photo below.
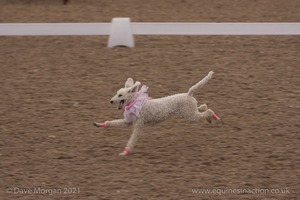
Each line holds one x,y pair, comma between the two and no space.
133,139
113,123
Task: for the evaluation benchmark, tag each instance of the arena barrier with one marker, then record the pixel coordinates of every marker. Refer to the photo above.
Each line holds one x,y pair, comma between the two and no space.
121,31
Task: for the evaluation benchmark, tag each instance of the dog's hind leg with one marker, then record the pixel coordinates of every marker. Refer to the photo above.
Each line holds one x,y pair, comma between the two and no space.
197,116
202,107
133,139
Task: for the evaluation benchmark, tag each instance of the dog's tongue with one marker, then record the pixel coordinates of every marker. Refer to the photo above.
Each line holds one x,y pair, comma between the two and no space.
121,105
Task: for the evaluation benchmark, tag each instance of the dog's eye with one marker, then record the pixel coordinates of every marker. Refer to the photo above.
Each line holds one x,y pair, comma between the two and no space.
119,95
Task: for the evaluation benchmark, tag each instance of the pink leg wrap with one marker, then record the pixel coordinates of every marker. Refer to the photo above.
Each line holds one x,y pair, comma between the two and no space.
103,124
126,151
214,116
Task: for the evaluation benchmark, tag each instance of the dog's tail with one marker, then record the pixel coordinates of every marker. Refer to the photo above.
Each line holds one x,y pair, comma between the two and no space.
200,83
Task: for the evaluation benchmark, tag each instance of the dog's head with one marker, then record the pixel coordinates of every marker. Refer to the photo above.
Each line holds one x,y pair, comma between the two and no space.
126,95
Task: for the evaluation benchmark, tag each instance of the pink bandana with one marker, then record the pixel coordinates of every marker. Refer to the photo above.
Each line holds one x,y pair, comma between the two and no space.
132,111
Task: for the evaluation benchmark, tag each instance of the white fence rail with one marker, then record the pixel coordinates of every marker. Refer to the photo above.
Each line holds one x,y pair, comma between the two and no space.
216,28
121,29
48,29
26,29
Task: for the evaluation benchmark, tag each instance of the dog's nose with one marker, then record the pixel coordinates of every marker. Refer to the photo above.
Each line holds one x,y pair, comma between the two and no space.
111,102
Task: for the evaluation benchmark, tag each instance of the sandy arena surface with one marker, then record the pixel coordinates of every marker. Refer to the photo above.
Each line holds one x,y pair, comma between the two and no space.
53,88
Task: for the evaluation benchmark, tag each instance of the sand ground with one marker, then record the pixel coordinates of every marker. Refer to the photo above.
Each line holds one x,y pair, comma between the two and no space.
53,88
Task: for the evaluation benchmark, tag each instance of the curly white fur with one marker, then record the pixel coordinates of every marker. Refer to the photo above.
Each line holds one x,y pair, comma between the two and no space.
158,110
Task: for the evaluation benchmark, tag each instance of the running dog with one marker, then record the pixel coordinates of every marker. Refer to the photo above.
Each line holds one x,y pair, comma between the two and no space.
140,109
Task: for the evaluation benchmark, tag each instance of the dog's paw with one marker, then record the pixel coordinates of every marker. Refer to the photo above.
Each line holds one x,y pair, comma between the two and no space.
214,116
97,124
103,124
124,153
220,120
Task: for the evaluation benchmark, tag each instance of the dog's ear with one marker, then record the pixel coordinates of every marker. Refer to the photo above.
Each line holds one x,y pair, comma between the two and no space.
129,83
135,87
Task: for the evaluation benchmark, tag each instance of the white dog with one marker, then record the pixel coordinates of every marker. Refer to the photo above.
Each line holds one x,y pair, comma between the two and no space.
141,110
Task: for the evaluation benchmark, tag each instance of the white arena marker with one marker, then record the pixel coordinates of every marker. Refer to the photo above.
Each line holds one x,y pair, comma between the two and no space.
120,33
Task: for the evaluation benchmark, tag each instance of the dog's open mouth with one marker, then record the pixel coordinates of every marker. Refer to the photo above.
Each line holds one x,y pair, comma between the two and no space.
121,104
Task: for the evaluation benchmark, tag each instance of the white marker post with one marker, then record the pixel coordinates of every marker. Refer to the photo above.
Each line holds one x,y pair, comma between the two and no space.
120,33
